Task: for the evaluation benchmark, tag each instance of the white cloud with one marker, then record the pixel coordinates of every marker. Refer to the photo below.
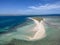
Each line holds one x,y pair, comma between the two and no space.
45,7
42,9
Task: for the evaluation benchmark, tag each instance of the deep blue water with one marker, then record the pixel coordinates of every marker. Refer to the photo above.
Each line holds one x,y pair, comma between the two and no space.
10,21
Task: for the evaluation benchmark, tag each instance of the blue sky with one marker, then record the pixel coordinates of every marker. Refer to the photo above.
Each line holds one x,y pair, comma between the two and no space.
29,7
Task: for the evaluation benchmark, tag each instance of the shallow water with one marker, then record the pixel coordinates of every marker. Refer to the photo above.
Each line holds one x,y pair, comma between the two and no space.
52,27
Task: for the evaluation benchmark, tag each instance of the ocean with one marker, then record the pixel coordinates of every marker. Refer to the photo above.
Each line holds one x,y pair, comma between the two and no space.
13,30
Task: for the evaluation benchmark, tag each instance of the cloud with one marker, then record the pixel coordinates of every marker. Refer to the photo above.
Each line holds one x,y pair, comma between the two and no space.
44,9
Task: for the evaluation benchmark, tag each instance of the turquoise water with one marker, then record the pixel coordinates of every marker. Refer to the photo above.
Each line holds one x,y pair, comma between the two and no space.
9,35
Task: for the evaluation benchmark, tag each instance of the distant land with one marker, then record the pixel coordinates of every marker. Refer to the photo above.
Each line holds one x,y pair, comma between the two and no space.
30,15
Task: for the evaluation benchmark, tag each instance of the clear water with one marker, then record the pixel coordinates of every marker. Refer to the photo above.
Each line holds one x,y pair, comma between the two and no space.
10,36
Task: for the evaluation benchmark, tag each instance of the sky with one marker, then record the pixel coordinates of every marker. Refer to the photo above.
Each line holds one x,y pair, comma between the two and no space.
27,7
